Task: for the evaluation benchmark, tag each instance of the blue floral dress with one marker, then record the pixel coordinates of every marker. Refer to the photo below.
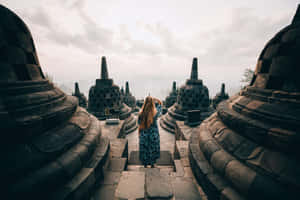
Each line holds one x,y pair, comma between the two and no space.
150,142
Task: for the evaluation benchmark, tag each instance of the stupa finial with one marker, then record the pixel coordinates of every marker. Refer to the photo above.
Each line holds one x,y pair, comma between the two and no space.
104,72
174,86
194,72
77,91
223,88
127,88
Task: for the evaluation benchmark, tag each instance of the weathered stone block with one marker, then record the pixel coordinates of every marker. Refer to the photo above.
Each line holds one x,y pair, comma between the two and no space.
157,186
136,180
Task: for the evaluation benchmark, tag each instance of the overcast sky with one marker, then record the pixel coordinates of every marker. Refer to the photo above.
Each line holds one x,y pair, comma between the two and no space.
151,43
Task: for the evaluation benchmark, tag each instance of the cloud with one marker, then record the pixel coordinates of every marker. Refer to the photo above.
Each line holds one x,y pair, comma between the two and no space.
239,42
91,39
39,17
148,45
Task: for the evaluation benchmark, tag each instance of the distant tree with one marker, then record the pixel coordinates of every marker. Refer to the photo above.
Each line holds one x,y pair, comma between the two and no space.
247,76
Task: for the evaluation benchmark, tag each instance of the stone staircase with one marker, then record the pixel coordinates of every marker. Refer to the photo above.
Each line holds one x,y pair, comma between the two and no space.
116,164
170,179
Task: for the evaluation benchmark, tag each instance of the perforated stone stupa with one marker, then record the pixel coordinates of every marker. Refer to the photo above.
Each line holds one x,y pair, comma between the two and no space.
122,93
80,96
191,96
129,99
172,97
105,100
220,96
249,148
47,141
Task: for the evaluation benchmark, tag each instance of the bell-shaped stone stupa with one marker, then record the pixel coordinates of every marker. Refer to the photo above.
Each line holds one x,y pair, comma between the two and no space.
129,99
80,96
172,97
105,101
191,96
221,96
47,141
249,148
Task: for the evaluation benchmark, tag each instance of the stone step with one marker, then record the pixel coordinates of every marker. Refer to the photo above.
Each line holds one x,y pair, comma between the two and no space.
119,148
131,185
157,186
116,164
166,170
135,167
179,168
181,149
165,158
184,188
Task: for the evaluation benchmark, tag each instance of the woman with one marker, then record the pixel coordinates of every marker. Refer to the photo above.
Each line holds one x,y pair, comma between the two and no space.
148,131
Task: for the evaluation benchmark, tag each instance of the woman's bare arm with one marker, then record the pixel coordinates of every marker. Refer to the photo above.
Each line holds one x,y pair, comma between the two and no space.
157,100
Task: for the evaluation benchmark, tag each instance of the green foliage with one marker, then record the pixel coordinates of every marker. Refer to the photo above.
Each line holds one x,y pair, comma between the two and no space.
247,76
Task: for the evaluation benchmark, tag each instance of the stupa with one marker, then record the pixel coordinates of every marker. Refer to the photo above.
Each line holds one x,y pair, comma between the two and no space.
105,101
171,99
249,148
122,93
221,96
191,96
80,96
129,99
48,142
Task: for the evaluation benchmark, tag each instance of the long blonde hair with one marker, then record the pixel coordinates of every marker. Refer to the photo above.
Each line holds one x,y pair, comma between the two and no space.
147,113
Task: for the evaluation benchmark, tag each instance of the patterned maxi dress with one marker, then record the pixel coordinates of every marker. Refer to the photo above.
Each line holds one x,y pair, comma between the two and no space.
149,141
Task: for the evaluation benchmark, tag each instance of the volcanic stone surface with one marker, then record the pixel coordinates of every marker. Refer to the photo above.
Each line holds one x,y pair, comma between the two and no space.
50,147
249,148
221,96
191,96
105,101
82,101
